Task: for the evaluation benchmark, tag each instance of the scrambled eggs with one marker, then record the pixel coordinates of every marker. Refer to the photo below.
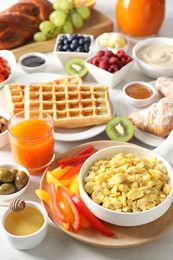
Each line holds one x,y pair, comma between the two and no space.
127,183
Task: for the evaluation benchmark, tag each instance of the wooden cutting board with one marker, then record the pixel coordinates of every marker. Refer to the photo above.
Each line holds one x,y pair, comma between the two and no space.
96,25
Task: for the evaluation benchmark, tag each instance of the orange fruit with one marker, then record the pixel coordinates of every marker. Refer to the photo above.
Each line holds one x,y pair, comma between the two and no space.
89,3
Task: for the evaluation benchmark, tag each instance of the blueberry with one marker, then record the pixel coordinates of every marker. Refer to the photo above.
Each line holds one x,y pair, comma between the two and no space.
87,39
80,49
81,41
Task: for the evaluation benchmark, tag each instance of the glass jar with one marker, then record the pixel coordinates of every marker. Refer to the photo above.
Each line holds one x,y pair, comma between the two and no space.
140,18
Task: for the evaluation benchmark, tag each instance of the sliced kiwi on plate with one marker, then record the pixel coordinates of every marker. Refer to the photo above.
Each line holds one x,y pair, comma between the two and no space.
120,128
76,66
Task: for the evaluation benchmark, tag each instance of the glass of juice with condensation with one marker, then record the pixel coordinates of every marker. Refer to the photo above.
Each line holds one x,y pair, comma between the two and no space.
32,140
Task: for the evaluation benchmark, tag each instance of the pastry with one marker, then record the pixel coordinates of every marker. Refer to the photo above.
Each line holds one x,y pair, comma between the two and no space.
71,106
164,86
156,119
19,22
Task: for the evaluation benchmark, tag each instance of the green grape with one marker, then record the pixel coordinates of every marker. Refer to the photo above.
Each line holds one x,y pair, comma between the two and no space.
56,4
46,26
56,31
65,5
83,11
67,27
77,20
57,17
40,37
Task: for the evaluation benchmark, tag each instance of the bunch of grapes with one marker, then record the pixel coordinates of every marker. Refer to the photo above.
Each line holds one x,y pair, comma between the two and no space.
64,19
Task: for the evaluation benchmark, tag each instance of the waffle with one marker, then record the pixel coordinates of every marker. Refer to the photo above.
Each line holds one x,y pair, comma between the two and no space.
71,106
14,93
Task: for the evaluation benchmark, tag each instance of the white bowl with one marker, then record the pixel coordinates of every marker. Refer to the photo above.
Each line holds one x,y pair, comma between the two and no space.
123,218
20,192
64,56
28,241
10,58
142,102
35,68
153,70
106,78
112,40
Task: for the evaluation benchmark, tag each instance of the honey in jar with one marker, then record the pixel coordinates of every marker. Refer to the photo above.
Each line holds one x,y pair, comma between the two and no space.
140,18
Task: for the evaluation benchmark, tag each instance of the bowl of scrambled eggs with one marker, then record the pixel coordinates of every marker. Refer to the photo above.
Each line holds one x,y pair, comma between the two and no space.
126,185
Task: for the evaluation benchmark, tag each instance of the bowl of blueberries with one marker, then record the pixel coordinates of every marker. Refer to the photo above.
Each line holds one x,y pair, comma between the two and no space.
72,50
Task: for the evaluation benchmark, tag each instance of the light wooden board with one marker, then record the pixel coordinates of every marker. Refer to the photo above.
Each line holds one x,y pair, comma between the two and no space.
126,236
96,25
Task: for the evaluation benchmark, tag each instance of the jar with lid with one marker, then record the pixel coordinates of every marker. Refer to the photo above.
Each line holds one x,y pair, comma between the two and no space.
140,18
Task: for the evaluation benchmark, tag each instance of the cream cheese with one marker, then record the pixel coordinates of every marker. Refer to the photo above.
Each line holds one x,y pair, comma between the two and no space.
156,54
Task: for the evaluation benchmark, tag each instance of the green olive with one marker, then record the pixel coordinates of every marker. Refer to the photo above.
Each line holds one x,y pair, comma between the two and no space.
21,180
14,171
6,175
7,188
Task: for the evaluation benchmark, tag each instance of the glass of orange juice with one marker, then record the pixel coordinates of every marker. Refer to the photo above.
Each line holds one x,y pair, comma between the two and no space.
32,140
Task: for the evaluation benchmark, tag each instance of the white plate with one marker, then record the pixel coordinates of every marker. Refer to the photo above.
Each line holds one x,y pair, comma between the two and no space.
63,134
123,108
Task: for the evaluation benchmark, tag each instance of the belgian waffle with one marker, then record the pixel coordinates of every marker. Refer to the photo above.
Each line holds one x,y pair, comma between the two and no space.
70,106
14,93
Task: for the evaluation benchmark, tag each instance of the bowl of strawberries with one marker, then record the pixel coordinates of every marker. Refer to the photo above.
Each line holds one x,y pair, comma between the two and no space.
109,67
7,66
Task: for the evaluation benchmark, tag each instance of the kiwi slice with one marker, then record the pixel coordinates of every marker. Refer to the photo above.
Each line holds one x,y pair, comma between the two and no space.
76,66
120,128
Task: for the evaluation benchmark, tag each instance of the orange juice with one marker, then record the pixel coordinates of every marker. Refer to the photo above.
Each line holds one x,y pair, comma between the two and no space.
32,144
140,18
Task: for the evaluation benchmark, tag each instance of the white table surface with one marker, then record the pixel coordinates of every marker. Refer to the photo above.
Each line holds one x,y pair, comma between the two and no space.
58,245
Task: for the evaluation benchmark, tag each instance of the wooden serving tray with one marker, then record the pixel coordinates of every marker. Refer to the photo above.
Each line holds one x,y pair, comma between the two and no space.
96,25
126,236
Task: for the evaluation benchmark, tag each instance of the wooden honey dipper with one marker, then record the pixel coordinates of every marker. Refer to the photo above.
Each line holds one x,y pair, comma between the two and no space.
14,205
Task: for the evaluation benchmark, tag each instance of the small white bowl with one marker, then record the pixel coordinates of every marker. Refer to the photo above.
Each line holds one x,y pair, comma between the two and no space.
139,102
64,56
10,58
20,192
112,40
124,218
33,65
153,70
106,78
28,241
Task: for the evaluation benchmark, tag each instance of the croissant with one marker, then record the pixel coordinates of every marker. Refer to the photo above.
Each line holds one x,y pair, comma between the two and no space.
156,119
19,22
164,86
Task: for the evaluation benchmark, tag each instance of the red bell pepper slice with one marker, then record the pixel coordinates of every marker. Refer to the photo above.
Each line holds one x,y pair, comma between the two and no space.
71,173
58,211
76,223
87,149
95,222
73,159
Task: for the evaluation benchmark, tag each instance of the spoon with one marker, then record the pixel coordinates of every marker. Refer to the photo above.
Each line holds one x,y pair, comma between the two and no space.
14,205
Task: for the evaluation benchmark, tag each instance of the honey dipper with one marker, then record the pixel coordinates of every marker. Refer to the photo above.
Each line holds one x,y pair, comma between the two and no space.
14,205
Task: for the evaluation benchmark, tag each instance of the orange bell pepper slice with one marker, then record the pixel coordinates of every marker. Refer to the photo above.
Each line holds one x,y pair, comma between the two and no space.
77,221
56,204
